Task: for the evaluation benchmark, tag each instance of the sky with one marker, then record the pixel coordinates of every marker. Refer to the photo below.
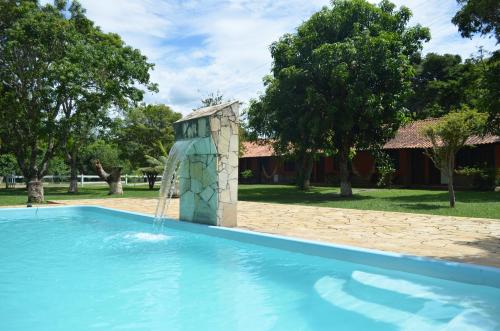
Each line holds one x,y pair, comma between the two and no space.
203,46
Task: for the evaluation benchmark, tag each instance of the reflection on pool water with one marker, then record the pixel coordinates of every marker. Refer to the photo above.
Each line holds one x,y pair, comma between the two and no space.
92,270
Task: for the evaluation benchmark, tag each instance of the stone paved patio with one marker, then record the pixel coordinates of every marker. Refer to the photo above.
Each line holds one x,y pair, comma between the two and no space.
453,238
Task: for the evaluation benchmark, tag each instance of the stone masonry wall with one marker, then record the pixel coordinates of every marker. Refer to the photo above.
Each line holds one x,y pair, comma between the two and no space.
224,129
208,178
198,186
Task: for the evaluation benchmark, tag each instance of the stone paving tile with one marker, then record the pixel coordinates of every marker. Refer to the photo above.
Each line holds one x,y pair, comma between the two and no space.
472,240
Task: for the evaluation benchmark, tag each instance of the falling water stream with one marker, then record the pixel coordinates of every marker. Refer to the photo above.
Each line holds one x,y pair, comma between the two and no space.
177,154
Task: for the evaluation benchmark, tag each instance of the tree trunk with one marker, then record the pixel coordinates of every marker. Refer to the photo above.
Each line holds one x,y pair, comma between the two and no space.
113,179
345,181
151,180
304,172
115,187
451,191
35,191
307,172
73,185
73,180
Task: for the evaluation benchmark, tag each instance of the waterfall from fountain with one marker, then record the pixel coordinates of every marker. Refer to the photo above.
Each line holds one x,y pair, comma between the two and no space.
176,156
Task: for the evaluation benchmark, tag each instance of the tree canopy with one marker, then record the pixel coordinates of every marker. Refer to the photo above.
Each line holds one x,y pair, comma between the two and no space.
443,83
350,65
478,16
142,131
57,72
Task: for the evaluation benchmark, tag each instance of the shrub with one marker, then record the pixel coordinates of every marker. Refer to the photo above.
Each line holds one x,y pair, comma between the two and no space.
246,174
484,178
385,168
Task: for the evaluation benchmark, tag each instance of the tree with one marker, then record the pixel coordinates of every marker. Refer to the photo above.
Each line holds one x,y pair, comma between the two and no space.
142,131
95,83
32,48
113,178
488,92
353,62
282,116
448,136
478,16
100,155
155,167
442,83
483,17
361,63
59,73
212,99
8,165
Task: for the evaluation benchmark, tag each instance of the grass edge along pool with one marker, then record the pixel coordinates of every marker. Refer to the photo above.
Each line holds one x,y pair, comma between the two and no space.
443,269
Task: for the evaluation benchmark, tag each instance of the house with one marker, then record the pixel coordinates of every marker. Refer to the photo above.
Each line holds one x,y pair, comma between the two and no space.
407,150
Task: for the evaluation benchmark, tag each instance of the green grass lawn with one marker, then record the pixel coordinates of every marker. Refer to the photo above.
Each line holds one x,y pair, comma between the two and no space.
18,196
469,203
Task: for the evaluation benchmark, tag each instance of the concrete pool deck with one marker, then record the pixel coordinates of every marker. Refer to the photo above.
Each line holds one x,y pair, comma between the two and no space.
472,240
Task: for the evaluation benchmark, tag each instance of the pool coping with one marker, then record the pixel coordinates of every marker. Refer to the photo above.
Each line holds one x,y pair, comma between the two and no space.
437,268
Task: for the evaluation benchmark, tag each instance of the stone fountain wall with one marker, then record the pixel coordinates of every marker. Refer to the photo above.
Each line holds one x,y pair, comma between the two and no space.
208,178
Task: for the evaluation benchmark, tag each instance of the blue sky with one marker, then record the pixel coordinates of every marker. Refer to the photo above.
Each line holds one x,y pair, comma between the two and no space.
204,46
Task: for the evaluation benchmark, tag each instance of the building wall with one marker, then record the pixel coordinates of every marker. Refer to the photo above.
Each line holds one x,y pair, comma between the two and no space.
413,167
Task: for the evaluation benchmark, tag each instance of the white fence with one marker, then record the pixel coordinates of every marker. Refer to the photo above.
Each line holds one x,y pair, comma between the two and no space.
91,179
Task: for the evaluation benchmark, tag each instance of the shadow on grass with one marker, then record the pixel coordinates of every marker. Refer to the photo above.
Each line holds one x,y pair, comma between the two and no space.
461,196
421,206
291,195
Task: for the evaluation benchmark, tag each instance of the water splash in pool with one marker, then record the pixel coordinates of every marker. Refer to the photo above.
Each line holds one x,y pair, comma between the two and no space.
147,237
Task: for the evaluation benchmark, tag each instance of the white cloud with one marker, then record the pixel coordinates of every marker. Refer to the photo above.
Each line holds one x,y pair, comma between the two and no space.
437,15
204,46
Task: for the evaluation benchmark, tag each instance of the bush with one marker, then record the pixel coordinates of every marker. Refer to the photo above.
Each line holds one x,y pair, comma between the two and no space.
484,178
385,169
246,174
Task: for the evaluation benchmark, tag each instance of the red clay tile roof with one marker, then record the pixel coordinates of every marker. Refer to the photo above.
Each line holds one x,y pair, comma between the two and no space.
409,136
254,149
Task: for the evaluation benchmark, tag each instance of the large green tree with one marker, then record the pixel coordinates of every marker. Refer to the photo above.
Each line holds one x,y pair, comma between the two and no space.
142,129
489,92
32,55
361,57
59,75
282,116
478,16
483,17
94,83
442,83
354,61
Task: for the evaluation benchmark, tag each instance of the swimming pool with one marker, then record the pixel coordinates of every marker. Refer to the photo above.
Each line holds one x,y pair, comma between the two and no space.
83,268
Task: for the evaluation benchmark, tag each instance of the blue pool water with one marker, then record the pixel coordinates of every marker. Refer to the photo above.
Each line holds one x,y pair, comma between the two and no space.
89,269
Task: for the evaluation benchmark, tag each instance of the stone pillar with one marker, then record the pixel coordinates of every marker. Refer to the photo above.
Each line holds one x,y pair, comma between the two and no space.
224,131
208,178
